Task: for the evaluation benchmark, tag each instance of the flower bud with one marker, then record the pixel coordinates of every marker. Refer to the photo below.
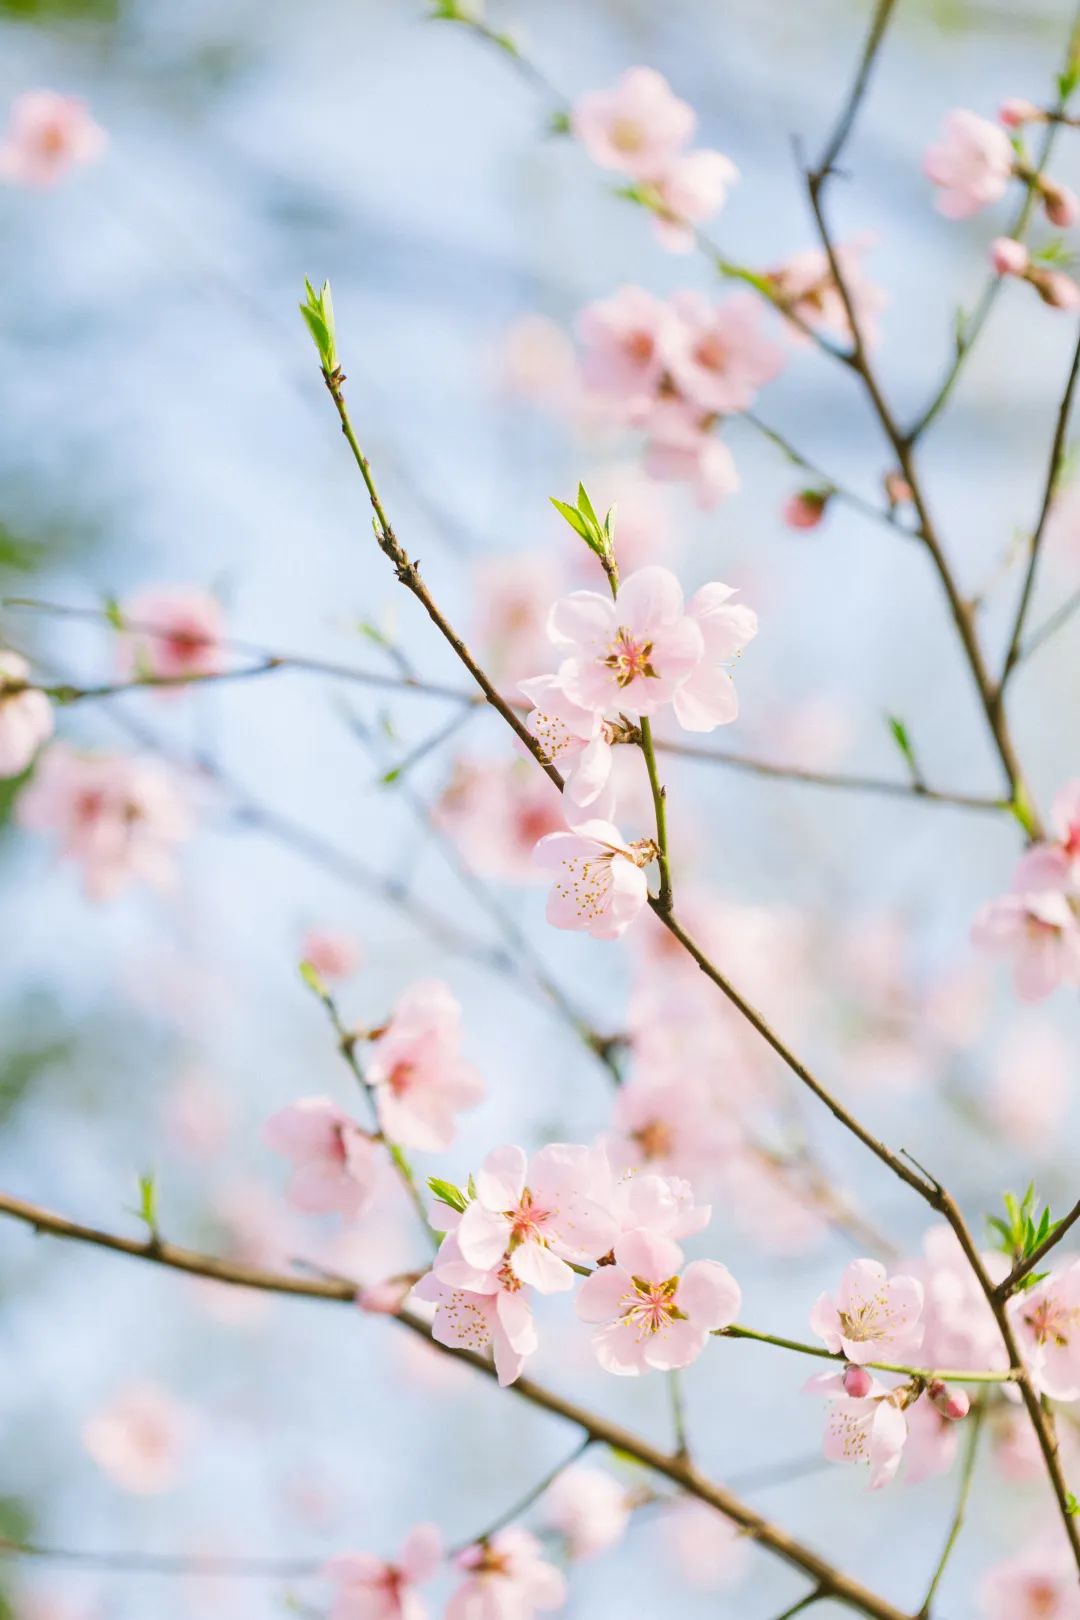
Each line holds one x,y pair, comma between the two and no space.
1060,205
951,1403
1055,288
1009,257
897,489
806,509
1015,112
857,1382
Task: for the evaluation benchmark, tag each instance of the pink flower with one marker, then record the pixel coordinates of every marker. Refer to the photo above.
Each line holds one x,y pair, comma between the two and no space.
139,1438
972,164
496,812
175,633
718,357
574,738
1038,1584
506,1578
513,594
1060,205
1009,257
480,1308
708,698
118,816
874,1317
933,1440
671,1124
630,654
681,450
710,1552
637,127
1031,1084
333,954
598,880
541,1214
589,1509
48,135
1040,931
805,286
690,190
421,1080
960,1330
627,338
26,719
334,1160
805,509
649,1315
1046,1320
1015,112
370,1589
868,1430
662,1206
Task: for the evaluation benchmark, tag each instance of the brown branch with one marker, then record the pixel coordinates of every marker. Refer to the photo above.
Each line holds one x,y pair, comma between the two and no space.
1057,451
845,123
831,1580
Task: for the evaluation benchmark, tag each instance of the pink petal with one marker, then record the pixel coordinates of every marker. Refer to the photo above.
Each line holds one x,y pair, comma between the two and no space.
709,1294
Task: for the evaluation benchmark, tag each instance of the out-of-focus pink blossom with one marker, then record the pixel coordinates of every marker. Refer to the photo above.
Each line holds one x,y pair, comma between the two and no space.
139,1438
681,450
26,719
636,127
959,1326
368,1588
718,355
1039,1583
1055,288
47,136
174,633
1008,256
1039,930
334,1161
874,1317
627,339
541,1214
971,164
513,595
538,361
690,191
708,699
1046,1321
1031,1084
497,812
334,954
1060,205
670,1124
589,1509
598,880
196,1114
709,1552
933,1440
506,1578
118,816
421,1080
649,1316
805,287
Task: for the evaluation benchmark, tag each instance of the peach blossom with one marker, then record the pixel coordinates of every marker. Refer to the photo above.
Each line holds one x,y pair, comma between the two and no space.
637,127
333,953
139,1438
26,719
47,136
175,633
971,164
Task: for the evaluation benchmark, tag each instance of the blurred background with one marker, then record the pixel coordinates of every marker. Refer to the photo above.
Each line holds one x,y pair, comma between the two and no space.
164,421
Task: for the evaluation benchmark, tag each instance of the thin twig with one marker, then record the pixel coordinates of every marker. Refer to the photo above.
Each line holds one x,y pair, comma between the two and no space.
520,1507
927,1375
967,1474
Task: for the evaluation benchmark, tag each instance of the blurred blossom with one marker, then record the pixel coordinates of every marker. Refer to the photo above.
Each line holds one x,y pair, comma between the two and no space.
47,136
513,595
197,1113
589,1508
971,164
707,1550
538,362
26,719
175,634
139,1439
333,953
497,812
1032,1075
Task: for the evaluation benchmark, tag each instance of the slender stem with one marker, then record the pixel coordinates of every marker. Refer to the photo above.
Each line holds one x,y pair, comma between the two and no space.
1050,626
1024,1267
802,1604
524,1503
1057,450
846,121
830,1579
659,799
679,1426
927,1374
967,1474
837,491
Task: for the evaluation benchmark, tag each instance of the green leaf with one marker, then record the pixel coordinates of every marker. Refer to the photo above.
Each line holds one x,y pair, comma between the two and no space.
899,734
572,516
111,609
310,975
318,313
585,507
448,1194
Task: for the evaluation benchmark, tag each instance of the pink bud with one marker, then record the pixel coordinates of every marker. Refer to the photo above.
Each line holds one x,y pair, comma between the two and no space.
951,1403
897,489
1055,288
806,509
1061,206
1008,257
857,1382
1016,111
385,1298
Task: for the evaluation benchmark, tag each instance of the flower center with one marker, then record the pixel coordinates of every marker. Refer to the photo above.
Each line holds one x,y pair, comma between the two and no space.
867,1321
629,658
651,1306
711,352
655,1139
1051,1323
627,135
527,1221
400,1078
